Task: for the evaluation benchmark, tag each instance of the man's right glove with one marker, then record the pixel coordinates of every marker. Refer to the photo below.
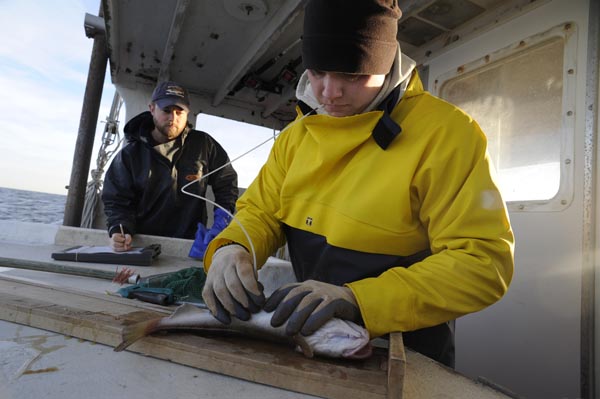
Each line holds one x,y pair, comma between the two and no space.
231,287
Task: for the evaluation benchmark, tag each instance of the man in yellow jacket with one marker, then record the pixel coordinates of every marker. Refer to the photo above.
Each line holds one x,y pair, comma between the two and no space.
383,193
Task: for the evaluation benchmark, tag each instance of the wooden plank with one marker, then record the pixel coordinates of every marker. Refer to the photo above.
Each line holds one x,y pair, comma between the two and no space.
396,366
100,318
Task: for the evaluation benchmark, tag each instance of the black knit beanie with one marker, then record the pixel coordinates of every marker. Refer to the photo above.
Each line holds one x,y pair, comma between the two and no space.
350,36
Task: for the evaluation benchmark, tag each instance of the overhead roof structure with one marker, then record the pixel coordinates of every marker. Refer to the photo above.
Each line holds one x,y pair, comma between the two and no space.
241,59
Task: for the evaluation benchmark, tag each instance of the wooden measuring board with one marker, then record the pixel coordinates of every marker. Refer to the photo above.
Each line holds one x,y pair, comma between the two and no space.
100,318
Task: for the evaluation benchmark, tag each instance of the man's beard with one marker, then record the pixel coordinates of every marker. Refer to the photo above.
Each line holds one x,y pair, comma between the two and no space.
166,130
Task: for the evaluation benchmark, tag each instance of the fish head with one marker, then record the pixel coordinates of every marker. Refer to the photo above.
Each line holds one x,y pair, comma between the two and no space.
340,338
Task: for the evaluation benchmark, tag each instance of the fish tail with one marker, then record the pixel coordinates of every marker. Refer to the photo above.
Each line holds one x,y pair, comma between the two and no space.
133,332
303,346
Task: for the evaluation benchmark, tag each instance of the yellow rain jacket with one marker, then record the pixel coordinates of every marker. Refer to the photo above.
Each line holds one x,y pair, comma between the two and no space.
418,231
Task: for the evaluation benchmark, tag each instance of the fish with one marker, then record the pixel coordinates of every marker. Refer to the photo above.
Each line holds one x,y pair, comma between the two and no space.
337,338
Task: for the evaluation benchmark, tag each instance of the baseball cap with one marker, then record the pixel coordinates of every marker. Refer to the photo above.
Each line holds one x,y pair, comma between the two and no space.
170,93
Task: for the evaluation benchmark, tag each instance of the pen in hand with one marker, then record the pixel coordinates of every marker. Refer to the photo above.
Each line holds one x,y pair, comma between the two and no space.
126,246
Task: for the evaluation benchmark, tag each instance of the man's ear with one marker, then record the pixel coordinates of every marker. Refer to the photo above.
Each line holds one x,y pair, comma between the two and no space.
151,107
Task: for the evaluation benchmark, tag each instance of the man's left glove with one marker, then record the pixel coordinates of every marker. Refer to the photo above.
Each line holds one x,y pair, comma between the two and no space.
307,306
204,236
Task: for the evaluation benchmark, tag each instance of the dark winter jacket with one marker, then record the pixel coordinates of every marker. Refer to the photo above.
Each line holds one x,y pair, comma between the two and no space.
142,187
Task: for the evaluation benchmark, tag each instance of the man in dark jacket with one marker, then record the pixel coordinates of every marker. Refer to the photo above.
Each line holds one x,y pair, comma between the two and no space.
142,189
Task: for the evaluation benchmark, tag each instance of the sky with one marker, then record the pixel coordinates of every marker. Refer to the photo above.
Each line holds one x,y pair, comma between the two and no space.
44,61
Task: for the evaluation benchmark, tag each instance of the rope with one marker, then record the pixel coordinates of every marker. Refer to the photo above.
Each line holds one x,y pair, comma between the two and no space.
110,136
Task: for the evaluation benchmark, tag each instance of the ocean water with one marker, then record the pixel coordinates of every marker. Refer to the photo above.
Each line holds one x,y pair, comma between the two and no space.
31,206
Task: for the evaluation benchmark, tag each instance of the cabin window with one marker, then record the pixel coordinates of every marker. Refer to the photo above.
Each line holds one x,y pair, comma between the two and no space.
519,98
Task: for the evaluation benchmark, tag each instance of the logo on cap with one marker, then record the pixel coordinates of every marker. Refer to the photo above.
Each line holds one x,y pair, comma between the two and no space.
175,91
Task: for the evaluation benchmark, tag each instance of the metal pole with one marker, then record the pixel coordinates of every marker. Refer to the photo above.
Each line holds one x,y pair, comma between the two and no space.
56,268
87,131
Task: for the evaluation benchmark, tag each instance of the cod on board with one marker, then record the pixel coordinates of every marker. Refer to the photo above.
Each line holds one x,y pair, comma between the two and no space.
337,338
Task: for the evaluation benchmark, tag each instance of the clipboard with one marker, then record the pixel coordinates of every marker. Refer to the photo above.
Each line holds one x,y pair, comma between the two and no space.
137,256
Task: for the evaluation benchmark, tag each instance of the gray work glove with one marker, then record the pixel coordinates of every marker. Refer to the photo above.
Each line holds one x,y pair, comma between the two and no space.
307,306
231,287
